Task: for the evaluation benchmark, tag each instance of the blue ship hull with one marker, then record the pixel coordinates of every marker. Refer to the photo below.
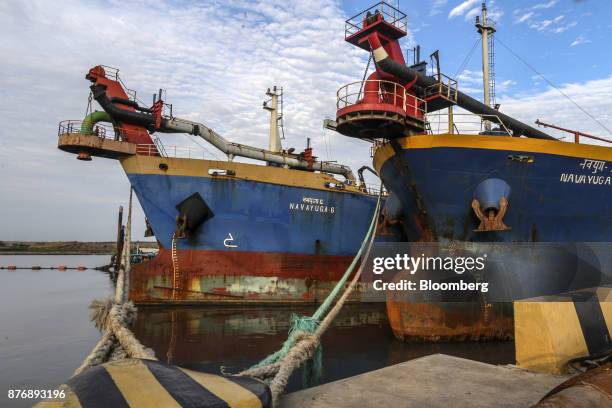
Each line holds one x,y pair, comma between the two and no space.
553,197
276,235
558,199
260,217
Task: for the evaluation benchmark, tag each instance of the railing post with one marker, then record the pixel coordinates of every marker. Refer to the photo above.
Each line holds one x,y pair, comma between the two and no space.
346,101
577,137
394,94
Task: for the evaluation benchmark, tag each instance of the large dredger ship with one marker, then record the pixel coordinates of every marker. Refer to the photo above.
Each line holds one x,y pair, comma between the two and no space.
501,181
283,230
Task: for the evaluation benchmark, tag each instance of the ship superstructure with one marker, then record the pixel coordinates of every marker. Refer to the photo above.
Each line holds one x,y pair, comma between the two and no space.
280,231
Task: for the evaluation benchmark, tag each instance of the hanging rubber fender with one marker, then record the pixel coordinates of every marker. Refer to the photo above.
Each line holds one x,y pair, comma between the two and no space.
148,383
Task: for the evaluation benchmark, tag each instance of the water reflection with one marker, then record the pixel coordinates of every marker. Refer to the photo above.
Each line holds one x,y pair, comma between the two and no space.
360,339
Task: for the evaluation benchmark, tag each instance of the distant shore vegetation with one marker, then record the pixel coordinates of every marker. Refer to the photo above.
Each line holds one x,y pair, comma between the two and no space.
65,247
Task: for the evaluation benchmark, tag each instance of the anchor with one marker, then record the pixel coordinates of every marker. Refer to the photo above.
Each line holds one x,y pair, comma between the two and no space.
490,204
492,221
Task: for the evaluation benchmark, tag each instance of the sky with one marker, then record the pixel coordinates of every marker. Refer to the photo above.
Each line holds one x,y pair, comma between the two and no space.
215,59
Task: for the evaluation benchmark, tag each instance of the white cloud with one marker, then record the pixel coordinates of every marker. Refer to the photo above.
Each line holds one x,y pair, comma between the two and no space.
495,13
552,107
524,17
462,8
437,7
472,13
541,25
504,86
564,28
580,40
545,5
214,60
551,25
471,83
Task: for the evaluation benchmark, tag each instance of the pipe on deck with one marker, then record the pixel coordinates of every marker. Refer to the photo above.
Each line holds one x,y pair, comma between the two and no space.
406,74
174,125
94,117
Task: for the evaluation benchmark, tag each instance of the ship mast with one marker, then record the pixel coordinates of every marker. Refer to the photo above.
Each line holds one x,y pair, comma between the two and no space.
272,106
486,28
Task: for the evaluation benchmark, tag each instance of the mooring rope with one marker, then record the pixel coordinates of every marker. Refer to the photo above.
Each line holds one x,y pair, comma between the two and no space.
303,343
114,316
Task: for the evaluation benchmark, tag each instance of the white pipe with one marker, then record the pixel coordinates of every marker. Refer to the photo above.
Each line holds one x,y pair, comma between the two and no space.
175,125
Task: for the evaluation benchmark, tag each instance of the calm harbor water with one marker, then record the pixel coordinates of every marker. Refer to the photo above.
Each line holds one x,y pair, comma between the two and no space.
45,331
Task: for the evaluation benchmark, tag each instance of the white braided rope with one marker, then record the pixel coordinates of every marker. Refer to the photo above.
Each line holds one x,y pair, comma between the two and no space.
113,316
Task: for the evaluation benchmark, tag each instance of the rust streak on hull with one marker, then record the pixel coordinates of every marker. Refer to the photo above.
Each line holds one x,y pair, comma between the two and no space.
452,321
237,277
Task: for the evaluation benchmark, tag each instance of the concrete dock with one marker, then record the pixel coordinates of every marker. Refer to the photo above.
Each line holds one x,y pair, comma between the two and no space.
433,381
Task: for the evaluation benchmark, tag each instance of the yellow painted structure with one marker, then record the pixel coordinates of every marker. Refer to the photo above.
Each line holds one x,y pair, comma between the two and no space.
518,144
139,164
548,331
147,383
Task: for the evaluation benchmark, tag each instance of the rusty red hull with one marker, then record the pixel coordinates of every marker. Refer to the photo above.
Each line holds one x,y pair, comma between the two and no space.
236,277
450,321
592,388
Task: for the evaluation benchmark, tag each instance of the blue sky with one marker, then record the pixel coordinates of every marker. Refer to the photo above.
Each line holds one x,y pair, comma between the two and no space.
216,58
566,40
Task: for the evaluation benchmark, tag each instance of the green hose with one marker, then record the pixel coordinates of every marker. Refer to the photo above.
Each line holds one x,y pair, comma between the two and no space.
90,120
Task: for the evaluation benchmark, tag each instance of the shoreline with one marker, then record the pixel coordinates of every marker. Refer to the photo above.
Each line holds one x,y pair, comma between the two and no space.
66,247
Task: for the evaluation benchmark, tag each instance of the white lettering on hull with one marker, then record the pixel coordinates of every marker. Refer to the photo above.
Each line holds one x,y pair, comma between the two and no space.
312,205
592,177
586,179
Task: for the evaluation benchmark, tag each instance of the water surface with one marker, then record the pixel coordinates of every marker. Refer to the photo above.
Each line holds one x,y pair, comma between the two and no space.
45,331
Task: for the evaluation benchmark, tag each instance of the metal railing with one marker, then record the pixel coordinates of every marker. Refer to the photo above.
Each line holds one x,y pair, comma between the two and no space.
372,189
463,123
384,10
380,92
179,152
100,130
445,87
113,73
160,146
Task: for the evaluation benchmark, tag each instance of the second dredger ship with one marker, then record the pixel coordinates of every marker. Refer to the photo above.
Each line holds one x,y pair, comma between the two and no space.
284,231
539,207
